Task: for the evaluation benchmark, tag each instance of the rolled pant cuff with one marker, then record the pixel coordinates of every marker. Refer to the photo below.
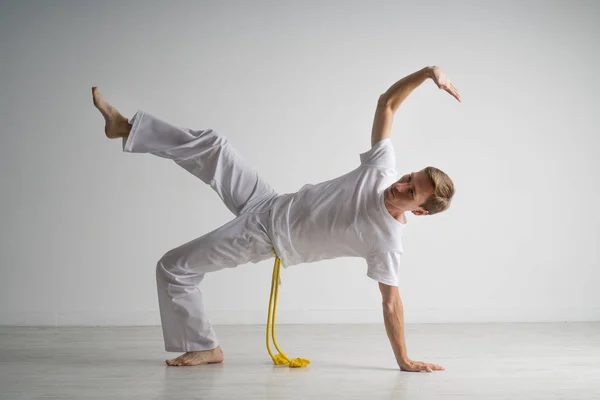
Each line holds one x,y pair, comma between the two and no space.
129,140
174,349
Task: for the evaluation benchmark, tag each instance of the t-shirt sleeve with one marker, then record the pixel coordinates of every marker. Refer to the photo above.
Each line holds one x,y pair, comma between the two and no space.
384,267
380,155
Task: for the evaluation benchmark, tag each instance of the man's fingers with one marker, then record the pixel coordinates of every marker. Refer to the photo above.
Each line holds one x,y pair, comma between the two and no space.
450,88
415,367
423,367
454,93
428,367
457,94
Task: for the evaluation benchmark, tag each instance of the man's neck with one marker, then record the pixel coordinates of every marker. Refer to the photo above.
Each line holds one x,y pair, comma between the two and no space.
394,211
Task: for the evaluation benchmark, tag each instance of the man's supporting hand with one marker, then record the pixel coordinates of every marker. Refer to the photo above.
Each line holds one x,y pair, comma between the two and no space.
418,366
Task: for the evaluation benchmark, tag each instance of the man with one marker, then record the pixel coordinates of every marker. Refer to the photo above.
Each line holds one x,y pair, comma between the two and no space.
359,214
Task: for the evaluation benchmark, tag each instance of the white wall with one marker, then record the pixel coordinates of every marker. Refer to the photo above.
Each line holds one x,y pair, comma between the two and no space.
294,86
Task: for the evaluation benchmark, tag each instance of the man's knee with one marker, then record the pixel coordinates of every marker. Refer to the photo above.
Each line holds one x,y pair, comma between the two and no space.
168,267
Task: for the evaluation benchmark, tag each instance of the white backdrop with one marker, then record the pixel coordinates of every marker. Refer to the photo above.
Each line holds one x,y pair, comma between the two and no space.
294,85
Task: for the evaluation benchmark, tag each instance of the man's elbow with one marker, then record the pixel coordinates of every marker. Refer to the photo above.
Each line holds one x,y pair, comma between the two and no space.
384,101
390,296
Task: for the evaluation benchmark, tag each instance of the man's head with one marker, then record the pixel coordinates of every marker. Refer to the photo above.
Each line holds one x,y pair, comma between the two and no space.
425,192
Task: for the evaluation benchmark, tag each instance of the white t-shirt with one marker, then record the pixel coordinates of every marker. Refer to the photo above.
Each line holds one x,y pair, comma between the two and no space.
343,217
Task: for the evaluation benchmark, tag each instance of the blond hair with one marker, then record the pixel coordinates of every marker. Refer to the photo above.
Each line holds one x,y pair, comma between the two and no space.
443,190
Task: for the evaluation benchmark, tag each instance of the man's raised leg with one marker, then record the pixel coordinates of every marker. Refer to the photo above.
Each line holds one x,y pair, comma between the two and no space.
204,153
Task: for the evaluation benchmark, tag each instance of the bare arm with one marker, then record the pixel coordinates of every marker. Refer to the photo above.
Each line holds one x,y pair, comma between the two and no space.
393,316
390,101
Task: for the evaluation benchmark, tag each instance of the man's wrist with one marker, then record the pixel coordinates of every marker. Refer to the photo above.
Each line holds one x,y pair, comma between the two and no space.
428,71
403,361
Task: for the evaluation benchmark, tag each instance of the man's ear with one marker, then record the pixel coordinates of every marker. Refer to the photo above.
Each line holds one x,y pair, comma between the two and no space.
420,211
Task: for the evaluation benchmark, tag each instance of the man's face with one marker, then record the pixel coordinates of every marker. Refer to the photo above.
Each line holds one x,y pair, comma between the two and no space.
409,191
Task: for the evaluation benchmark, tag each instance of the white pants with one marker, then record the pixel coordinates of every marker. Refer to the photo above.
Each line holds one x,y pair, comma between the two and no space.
210,157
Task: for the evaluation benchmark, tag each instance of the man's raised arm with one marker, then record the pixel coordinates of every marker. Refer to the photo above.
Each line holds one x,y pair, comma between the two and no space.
390,101
393,316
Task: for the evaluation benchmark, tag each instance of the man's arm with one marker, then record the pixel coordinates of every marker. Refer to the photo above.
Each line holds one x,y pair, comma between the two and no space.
393,316
390,101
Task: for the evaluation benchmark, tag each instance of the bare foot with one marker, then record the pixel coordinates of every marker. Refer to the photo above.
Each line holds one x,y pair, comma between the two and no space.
116,124
190,358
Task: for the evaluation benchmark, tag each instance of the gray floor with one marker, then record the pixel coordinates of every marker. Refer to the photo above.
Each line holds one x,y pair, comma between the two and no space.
483,361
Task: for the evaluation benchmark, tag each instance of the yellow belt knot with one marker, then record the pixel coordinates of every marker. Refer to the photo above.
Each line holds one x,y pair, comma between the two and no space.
281,358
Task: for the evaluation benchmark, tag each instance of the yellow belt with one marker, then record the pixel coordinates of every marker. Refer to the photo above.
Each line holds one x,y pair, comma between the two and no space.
281,358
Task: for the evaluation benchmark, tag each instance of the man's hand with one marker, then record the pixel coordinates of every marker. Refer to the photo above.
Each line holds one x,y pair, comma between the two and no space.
443,82
418,366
